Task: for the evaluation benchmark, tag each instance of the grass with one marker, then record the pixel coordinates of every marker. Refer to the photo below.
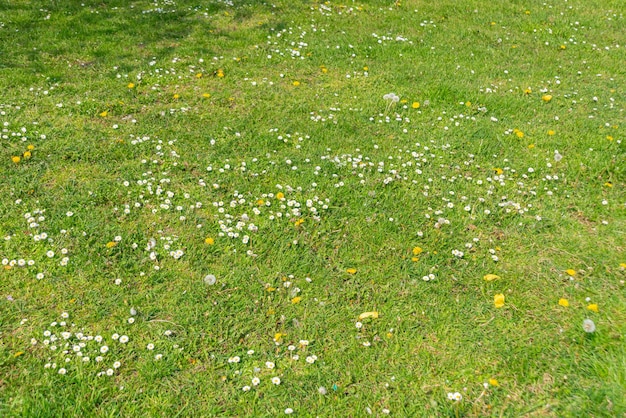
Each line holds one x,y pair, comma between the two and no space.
170,140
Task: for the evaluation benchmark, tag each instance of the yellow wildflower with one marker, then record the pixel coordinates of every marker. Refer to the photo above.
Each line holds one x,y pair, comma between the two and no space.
30,147
546,98
104,114
493,382
593,307
206,95
296,83
415,105
220,73
563,302
209,240
571,272
551,132
27,154
111,244
417,250
351,271
199,75
491,277
176,96
16,159
280,195
365,315
131,85
498,300
296,300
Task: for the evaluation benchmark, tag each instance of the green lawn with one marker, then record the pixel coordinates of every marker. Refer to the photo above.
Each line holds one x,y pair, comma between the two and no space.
250,208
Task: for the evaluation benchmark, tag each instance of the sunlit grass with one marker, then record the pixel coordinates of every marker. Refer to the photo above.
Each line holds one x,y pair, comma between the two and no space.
320,209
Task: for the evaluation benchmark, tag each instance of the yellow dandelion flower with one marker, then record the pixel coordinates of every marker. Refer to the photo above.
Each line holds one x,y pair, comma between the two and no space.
220,73
622,265
519,134
562,47
528,91
280,195
206,95
176,96
593,307
546,98
27,154
296,300
571,272
608,184
199,75
299,222
498,300
468,103
131,85
16,159
209,241
498,171
531,146
30,147
609,137
351,270
417,250
415,259
104,114
551,132
564,302
296,83
366,68
415,105
111,244
365,315
491,277
279,336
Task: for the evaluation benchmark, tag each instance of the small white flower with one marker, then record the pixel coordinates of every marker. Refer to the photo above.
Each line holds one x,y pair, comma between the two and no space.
269,364
104,349
256,381
62,370
322,390
124,339
50,254
115,336
359,325
235,359
158,356
117,365
276,380
288,411
110,372
149,346
246,388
